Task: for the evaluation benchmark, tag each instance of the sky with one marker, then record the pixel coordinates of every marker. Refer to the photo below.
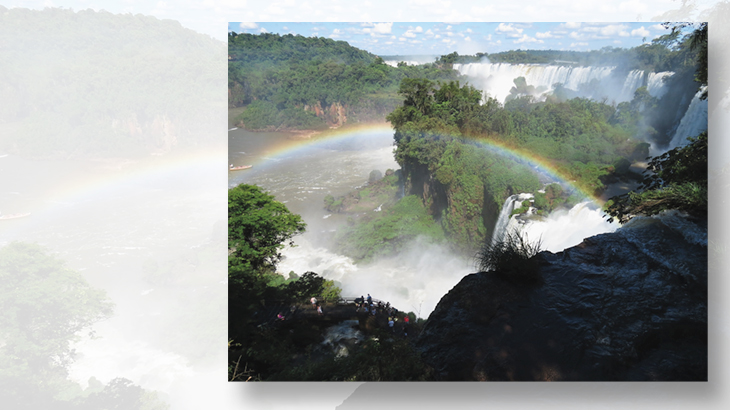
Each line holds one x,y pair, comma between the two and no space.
466,38
210,16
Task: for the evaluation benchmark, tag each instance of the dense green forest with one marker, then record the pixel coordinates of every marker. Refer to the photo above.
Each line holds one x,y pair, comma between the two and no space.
296,82
97,83
440,127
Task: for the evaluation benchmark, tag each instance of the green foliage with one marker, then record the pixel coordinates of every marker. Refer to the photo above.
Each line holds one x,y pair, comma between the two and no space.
677,180
85,82
45,306
470,181
310,284
389,232
511,258
305,77
258,227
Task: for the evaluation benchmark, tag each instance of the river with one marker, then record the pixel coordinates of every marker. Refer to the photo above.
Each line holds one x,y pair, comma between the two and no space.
300,173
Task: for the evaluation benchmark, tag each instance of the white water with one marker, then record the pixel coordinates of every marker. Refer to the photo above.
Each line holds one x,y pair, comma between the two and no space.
559,230
693,122
655,83
505,215
633,81
565,228
415,280
497,79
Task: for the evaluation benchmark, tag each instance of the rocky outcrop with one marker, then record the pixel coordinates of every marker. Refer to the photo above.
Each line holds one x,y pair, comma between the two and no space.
335,115
628,305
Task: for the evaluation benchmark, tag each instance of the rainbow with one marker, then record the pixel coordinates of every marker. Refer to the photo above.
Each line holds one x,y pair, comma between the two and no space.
293,145
87,181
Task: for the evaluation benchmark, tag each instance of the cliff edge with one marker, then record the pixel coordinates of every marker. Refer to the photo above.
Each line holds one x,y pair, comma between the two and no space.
628,305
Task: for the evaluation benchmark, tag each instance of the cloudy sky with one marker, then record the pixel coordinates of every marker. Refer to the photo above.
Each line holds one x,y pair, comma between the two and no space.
466,38
211,16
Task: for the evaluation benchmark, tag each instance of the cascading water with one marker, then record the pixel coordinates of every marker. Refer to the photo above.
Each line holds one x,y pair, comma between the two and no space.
559,230
497,79
655,83
505,215
633,81
693,122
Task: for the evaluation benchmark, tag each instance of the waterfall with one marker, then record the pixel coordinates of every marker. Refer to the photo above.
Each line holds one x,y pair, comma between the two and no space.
693,122
561,229
633,81
505,215
497,79
656,85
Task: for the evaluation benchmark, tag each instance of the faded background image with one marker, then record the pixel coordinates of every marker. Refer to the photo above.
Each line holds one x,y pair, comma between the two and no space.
113,139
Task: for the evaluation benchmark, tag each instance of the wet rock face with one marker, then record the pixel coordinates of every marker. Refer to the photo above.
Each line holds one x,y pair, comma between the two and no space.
629,305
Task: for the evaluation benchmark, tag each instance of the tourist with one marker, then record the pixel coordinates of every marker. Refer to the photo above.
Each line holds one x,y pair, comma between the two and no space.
391,324
314,302
319,309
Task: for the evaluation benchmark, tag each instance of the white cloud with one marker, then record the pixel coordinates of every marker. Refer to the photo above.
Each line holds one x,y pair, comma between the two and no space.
377,29
437,36
401,39
448,27
262,30
657,27
336,33
546,34
640,32
508,29
527,39
572,25
578,44
249,26
575,35
467,38
409,34
418,29
469,30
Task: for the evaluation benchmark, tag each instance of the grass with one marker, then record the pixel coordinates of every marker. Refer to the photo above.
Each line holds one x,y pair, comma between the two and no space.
511,258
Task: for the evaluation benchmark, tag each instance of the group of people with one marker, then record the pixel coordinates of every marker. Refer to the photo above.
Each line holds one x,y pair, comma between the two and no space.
370,308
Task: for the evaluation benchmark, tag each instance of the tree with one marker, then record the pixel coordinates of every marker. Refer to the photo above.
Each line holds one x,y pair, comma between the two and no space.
43,308
258,227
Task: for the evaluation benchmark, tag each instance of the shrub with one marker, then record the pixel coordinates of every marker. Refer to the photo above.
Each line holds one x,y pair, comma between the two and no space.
511,258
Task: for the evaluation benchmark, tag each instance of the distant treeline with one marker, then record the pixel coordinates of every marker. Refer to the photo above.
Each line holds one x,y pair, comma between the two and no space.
670,52
309,82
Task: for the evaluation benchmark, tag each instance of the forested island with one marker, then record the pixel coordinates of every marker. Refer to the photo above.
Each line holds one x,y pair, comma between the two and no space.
450,190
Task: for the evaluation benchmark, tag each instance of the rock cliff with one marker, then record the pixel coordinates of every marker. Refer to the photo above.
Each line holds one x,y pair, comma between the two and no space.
628,305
